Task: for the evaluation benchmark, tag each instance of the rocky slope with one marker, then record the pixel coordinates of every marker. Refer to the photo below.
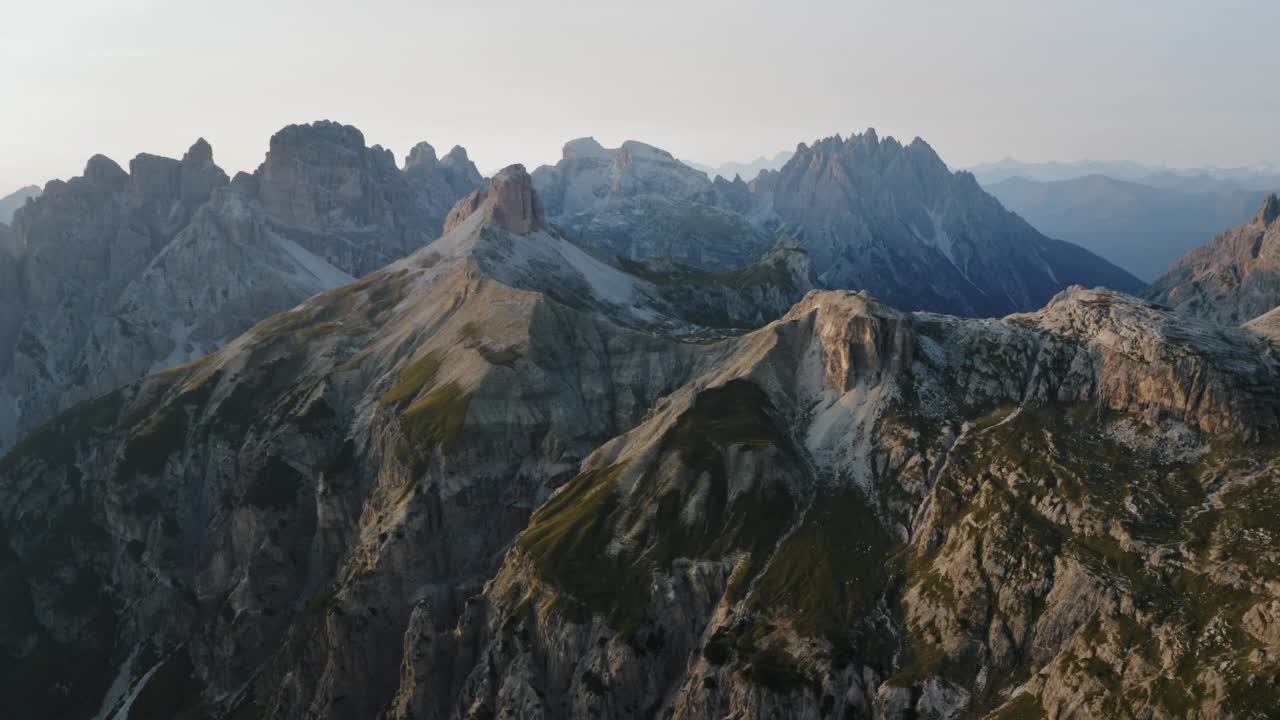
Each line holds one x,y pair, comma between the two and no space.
639,202
503,478
893,220
75,252
1267,324
1262,177
1232,279
118,274
864,513
207,473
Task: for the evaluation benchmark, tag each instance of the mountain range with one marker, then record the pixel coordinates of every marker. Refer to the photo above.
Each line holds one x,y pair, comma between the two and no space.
744,170
1259,177
346,438
507,477
874,215
1140,227
115,274
893,220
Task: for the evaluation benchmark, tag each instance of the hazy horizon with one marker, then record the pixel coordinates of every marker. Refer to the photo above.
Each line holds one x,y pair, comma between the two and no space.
712,83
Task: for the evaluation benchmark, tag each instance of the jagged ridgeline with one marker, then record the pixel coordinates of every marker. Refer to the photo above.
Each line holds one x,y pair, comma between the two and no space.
113,275
505,478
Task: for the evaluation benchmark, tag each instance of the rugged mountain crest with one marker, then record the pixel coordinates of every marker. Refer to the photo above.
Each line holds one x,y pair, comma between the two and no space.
503,477
873,214
599,196
1232,279
75,251
380,392
591,177
513,205
893,220
117,274
507,477
745,528
439,183
509,203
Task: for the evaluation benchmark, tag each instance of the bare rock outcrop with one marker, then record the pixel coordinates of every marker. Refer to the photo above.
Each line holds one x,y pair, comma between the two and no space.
1231,280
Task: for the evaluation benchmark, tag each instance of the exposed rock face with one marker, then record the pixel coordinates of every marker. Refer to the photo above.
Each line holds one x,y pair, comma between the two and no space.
10,203
744,568
893,220
590,177
374,356
505,478
512,205
639,202
75,251
354,206
873,215
439,183
1231,280
123,273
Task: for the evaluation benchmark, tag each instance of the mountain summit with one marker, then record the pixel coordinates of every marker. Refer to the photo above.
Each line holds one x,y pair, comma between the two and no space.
893,220
637,201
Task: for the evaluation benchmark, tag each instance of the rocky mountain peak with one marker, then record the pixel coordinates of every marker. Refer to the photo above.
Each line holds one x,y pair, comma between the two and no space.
512,203
191,180
153,176
104,171
200,152
199,176
422,155
863,204
582,147
1270,210
457,157
322,174
635,148
315,135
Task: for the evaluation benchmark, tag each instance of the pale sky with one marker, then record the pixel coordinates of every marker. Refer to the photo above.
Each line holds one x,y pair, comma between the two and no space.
1170,82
